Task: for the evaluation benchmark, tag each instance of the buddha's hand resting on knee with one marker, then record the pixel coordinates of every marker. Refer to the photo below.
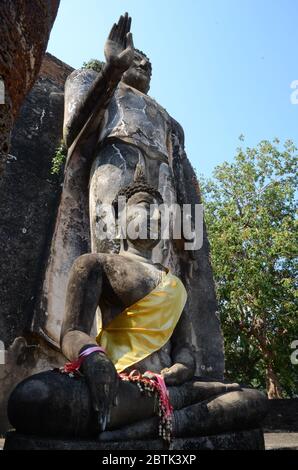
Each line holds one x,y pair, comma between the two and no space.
182,370
102,380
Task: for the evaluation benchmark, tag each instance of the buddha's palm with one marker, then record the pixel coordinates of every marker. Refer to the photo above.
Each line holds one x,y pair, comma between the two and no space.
183,368
178,374
119,49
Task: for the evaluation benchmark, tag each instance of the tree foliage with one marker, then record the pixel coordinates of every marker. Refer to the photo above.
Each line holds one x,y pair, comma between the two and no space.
251,214
93,64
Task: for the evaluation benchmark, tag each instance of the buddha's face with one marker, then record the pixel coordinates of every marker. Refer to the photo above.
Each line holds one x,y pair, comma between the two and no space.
139,73
143,221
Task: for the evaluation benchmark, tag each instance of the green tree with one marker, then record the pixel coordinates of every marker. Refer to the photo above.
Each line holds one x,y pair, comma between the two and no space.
93,64
251,215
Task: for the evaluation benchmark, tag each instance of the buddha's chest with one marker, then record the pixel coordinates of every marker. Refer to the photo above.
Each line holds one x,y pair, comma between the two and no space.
125,284
135,117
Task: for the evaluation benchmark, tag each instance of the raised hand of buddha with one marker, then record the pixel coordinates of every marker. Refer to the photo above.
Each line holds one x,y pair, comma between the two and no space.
119,50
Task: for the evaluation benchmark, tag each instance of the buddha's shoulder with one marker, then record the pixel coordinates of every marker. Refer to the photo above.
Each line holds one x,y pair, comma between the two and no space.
113,263
128,91
116,261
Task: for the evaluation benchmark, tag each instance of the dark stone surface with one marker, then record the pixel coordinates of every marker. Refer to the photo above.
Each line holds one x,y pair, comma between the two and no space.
51,404
29,195
242,440
282,415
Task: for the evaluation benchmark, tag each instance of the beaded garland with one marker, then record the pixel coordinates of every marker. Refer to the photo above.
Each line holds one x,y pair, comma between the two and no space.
153,384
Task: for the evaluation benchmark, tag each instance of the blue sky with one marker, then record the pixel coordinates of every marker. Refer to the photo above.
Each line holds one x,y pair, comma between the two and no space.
220,67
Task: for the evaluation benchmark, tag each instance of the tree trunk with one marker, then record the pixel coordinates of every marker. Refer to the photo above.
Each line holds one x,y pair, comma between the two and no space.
272,384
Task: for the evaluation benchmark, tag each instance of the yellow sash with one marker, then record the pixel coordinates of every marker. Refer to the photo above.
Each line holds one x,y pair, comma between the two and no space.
145,326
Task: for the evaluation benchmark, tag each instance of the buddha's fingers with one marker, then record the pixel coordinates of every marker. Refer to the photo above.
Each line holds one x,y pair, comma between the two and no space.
129,41
103,402
113,31
123,28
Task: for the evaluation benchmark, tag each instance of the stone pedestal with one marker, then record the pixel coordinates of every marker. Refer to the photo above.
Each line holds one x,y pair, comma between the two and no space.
241,440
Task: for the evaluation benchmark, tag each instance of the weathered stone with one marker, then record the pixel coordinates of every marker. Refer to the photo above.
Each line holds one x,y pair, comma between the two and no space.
282,415
243,440
24,34
22,359
29,196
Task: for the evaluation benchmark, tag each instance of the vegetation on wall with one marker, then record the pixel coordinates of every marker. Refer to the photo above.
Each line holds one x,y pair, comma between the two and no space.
59,159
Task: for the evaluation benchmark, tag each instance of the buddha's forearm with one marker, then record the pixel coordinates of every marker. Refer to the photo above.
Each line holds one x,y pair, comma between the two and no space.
73,341
181,342
82,298
96,100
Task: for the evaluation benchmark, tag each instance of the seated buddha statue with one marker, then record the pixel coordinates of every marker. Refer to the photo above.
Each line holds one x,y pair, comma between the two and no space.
136,377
